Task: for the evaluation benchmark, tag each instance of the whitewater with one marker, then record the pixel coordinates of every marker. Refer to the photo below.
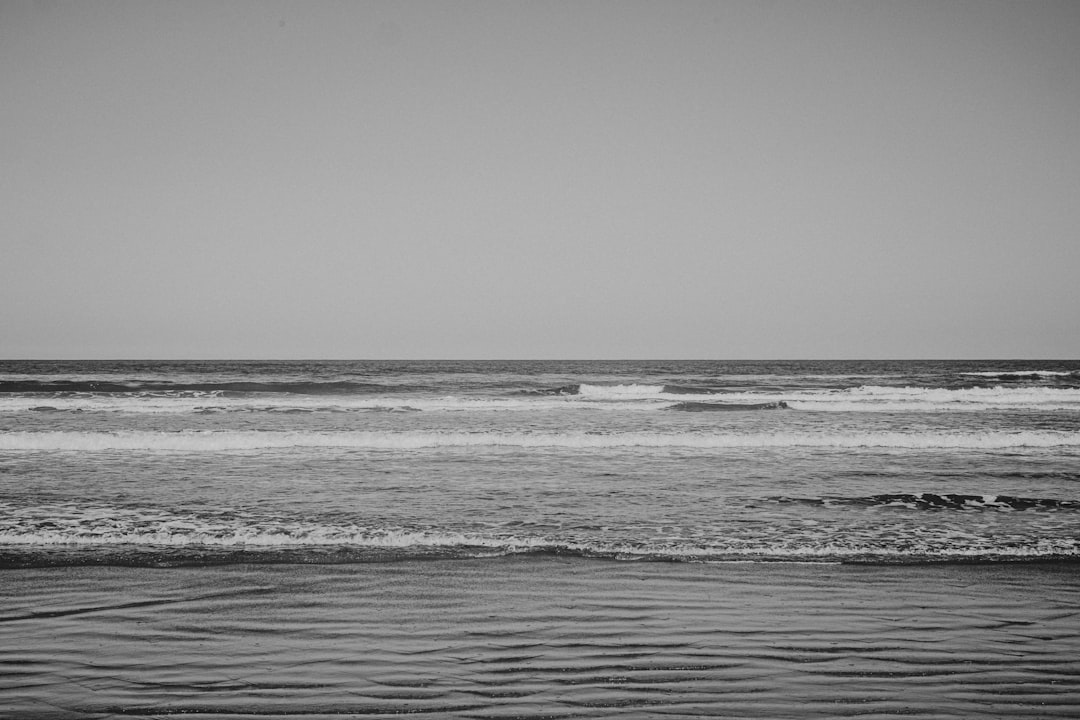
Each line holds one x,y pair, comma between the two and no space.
219,441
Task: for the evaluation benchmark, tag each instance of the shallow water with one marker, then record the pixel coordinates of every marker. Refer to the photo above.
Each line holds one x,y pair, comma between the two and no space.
542,637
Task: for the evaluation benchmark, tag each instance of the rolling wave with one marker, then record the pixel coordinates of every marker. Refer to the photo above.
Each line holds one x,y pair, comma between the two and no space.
218,441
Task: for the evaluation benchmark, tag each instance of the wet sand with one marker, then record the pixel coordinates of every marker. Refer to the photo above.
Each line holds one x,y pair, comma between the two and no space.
551,637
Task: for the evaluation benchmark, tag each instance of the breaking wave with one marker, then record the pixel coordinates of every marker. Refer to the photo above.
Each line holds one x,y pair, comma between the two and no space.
71,534
630,391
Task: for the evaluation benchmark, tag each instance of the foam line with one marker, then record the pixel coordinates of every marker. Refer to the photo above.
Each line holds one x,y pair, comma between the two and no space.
216,441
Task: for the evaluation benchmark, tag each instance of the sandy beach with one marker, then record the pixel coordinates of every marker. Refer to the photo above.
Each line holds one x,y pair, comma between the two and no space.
542,636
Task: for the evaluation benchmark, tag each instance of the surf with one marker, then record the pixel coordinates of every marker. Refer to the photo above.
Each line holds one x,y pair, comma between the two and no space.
226,440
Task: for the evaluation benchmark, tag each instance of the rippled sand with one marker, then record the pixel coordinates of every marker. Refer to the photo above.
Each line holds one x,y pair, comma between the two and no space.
544,637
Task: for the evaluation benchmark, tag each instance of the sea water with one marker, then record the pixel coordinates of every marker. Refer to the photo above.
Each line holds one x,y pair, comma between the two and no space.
539,539
188,463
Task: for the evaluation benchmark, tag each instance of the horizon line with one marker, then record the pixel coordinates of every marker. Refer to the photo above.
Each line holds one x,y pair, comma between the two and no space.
541,359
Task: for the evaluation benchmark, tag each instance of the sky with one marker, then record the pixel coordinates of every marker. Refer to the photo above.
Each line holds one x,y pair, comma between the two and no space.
593,179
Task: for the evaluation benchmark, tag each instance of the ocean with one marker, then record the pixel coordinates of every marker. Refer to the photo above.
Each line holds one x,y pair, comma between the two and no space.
540,538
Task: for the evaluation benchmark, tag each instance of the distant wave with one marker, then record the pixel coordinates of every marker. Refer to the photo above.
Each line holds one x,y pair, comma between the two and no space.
217,441
180,388
1014,375
721,407
865,397
347,397
632,390
153,403
875,398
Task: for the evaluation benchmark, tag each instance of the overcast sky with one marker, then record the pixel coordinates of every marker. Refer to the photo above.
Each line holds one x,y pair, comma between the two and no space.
589,179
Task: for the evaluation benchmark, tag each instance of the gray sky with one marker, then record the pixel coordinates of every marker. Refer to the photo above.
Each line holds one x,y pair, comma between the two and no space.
542,179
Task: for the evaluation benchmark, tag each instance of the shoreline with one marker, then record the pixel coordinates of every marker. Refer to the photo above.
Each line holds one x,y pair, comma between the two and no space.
159,559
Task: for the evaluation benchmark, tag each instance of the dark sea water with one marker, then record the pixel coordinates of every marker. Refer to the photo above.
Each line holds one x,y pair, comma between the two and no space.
540,539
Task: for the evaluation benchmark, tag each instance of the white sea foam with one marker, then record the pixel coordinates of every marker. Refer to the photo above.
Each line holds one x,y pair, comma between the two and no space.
183,535
76,526
218,441
869,398
621,392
